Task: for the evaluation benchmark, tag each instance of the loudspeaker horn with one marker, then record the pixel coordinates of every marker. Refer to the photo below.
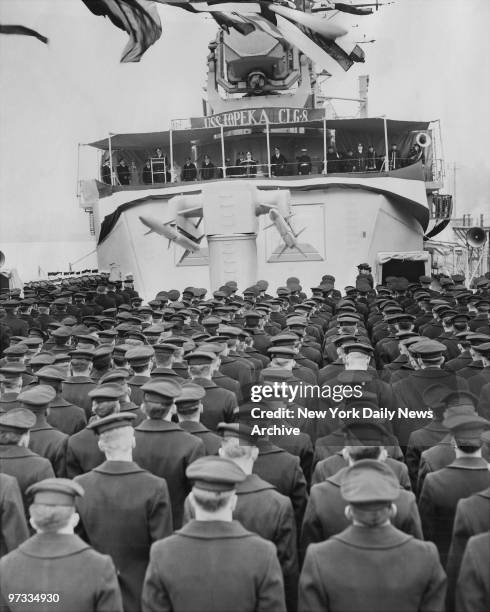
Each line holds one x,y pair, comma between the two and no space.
476,237
423,140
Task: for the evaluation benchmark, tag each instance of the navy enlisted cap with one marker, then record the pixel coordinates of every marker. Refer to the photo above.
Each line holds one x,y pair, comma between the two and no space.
107,392
16,350
465,423
140,355
276,374
84,354
215,474
369,481
161,388
12,370
165,348
38,396
117,375
357,347
483,348
242,431
212,347
18,420
427,348
200,358
189,398
42,359
51,373
283,351
113,421
55,492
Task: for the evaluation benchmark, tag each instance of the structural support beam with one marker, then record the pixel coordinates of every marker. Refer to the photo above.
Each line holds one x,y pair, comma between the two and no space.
223,159
324,145
387,161
267,134
110,159
171,143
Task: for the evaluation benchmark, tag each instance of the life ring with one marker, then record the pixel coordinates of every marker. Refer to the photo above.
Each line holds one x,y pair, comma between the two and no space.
423,139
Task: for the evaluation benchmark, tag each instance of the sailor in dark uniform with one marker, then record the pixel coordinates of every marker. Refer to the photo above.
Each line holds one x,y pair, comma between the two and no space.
466,475
55,562
237,569
123,172
372,160
394,158
366,553
16,459
278,163
473,587
44,439
189,170
13,526
304,162
162,447
208,169
125,508
189,408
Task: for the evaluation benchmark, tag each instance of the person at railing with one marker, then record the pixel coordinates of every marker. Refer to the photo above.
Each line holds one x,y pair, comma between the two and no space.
249,165
349,163
237,169
208,169
333,161
146,173
160,167
123,172
189,170
394,158
105,172
360,158
304,162
372,160
278,163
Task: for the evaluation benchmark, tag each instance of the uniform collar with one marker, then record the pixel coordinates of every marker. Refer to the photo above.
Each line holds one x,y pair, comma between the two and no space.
59,402
52,545
485,493
432,373
138,380
118,467
157,425
266,447
376,537
469,463
252,484
205,383
76,380
193,427
336,478
14,452
212,530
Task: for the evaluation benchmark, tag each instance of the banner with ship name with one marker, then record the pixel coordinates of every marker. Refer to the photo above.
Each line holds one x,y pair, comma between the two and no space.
259,116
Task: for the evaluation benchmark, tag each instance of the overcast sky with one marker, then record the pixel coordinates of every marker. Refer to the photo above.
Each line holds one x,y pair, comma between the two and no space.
430,60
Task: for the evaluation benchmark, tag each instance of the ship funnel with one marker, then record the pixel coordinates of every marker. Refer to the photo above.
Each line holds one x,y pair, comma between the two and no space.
423,140
476,237
2,258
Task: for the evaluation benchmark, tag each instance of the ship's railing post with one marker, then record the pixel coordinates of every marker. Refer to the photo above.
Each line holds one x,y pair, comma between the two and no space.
171,143
324,145
267,134
387,161
110,159
223,159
